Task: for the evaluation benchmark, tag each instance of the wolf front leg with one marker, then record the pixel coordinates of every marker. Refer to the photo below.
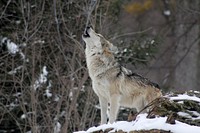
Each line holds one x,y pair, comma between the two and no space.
104,106
114,107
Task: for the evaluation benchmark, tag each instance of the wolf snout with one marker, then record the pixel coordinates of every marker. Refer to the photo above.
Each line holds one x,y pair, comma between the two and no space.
86,32
88,27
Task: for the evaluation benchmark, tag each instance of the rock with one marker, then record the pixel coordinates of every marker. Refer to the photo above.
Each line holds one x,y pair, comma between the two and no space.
184,110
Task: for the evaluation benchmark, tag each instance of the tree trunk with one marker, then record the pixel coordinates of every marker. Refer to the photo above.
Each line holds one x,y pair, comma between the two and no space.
186,47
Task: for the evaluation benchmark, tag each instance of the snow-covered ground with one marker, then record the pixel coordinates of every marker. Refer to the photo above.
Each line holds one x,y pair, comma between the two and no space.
144,123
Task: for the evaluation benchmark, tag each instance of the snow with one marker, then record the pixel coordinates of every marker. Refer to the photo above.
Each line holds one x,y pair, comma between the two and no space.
47,91
195,92
15,70
195,113
18,22
39,41
17,94
42,78
12,47
143,123
23,116
57,127
181,102
71,95
125,50
187,115
185,97
184,114
56,99
167,12
22,55
152,41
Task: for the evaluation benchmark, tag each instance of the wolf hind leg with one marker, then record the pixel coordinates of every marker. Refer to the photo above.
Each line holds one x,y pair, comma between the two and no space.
141,106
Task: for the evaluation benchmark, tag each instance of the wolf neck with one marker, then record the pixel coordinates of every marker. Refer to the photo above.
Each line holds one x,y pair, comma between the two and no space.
99,65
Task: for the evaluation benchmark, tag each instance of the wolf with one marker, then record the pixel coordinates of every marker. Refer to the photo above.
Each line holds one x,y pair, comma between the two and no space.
113,83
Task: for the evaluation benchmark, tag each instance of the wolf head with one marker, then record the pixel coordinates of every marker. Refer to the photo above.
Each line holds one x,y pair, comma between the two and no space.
96,42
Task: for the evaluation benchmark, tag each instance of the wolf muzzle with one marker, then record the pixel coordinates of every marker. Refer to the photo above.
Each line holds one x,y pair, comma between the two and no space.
86,34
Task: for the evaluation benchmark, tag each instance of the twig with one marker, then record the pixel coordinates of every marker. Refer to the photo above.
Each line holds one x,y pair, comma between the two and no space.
5,8
131,33
90,9
157,100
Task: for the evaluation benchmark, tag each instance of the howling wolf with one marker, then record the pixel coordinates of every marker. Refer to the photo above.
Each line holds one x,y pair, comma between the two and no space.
113,83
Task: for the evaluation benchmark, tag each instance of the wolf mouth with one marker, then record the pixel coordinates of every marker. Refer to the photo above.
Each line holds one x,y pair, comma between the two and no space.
86,34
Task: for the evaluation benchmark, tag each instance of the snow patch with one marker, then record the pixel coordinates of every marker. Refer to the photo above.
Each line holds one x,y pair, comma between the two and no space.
12,47
18,22
17,94
57,127
47,91
185,97
23,116
152,41
143,123
125,50
42,78
71,95
15,70
39,41
56,99
183,114
167,12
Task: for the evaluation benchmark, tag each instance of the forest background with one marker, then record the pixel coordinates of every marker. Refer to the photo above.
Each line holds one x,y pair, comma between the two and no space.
44,83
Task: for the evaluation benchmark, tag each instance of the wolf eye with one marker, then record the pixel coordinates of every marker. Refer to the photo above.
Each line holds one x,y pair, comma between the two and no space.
99,35
104,44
